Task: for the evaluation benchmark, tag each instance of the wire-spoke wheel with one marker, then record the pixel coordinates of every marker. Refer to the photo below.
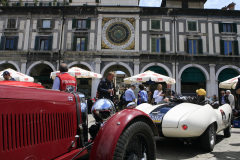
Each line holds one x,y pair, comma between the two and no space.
208,139
136,143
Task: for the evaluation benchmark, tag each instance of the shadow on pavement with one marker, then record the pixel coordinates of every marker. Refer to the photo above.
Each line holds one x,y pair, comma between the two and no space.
171,148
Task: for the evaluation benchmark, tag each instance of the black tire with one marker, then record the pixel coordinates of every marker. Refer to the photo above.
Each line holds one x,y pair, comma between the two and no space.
136,142
208,138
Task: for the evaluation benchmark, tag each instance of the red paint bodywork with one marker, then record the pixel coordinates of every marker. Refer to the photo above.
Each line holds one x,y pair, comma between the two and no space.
40,124
23,84
35,123
109,134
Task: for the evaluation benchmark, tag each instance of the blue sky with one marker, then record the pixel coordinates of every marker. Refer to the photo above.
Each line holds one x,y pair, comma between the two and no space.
214,4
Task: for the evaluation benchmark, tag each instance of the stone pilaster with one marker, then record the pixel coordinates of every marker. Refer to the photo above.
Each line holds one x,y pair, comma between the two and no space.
95,81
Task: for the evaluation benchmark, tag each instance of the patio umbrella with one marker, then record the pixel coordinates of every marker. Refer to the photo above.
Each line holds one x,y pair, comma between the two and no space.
229,84
149,76
78,73
17,76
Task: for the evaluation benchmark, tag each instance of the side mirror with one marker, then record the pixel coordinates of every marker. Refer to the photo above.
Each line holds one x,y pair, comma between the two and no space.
131,105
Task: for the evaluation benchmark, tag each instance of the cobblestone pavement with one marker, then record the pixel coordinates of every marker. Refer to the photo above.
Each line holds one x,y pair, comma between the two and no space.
174,149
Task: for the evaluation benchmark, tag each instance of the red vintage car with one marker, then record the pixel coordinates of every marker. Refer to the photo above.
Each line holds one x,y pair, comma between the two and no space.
37,123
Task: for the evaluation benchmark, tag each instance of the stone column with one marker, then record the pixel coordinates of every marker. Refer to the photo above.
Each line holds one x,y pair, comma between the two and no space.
210,37
212,86
23,66
177,86
95,81
26,38
137,34
136,67
99,32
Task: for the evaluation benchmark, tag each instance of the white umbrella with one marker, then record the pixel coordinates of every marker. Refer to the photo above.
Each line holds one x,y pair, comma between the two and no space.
78,73
229,84
17,76
149,75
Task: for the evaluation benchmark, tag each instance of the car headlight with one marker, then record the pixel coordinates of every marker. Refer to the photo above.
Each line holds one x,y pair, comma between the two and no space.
103,109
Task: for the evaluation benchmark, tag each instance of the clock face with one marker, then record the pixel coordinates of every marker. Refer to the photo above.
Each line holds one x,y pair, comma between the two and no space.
118,33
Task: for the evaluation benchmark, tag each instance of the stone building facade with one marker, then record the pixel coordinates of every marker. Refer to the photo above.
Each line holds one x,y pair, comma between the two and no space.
198,47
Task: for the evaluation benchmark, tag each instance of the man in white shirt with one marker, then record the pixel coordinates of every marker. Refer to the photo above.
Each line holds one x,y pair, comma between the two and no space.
231,99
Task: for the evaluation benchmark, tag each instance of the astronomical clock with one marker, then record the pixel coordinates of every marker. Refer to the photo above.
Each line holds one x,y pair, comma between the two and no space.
118,33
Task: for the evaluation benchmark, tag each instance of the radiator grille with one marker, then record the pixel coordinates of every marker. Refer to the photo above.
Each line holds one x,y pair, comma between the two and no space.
22,130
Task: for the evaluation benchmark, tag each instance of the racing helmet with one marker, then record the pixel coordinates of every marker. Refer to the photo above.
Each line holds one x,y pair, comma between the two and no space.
103,109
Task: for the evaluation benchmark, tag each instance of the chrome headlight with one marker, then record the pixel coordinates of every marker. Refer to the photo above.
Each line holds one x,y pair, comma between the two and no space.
103,109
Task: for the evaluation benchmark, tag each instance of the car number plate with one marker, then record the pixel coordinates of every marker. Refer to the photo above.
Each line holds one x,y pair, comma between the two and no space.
156,118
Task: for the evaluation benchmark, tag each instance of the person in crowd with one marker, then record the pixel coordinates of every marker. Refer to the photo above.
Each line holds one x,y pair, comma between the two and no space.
168,93
214,98
64,81
150,97
89,104
157,95
129,94
231,99
222,98
236,114
7,77
142,95
201,96
122,102
106,87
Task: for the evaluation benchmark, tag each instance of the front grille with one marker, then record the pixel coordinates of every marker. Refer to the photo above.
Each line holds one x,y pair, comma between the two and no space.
23,130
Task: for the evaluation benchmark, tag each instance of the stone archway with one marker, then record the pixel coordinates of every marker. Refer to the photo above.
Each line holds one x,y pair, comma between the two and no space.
122,71
195,85
9,64
41,71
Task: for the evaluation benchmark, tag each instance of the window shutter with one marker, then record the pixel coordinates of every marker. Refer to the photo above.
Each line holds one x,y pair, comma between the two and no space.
153,45
74,21
222,47
9,23
50,43
26,4
2,44
200,46
40,4
39,23
15,43
220,26
163,45
74,43
37,39
236,50
187,46
52,25
88,25
86,44
234,27
50,4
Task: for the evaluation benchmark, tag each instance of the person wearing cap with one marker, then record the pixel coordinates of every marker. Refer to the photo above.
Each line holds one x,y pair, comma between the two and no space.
64,81
7,77
201,96
230,99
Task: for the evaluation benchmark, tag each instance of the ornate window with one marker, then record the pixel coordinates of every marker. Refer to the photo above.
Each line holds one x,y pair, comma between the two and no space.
11,23
194,46
227,27
192,26
80,43
158,45
155,24
81,23
9,43
229,47
43,43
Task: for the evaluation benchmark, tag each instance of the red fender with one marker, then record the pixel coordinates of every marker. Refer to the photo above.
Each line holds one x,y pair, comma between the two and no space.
108,135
